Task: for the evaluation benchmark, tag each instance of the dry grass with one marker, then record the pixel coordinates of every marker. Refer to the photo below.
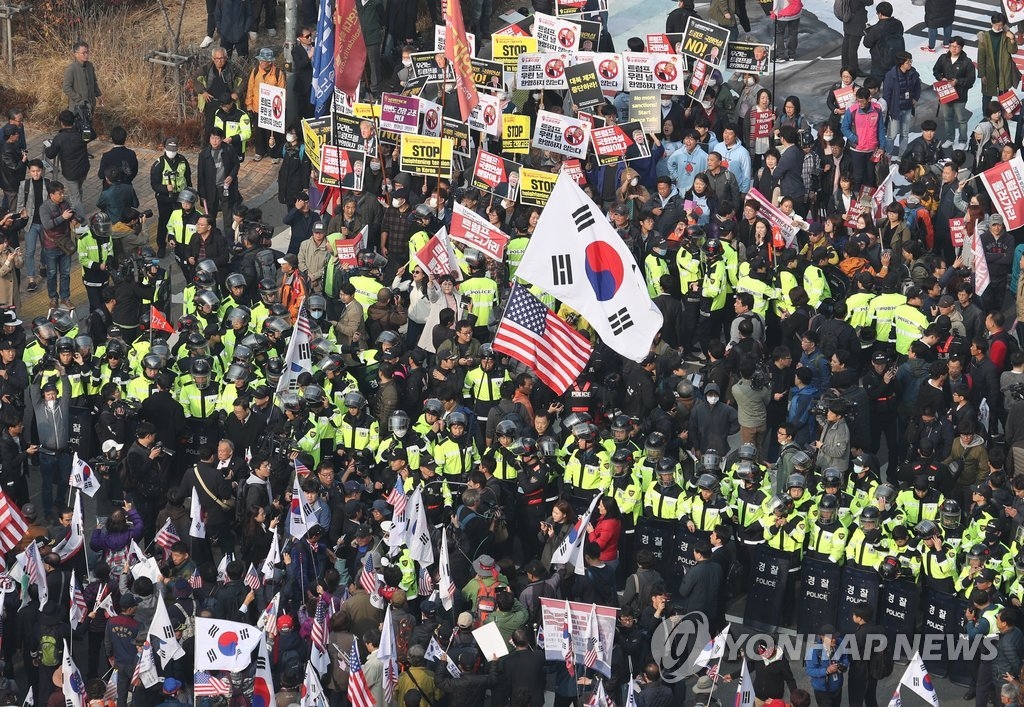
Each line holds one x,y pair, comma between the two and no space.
138,95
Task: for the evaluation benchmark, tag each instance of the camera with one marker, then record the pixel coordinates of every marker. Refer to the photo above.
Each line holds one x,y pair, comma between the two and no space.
148,213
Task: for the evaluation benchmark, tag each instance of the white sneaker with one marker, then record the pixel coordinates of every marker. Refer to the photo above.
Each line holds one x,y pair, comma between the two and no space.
253,36
272,32
207,41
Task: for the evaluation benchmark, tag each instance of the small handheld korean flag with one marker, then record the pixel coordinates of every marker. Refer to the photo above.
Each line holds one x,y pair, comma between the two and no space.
161,634
198,527
82,477
916,677
714,650
74,685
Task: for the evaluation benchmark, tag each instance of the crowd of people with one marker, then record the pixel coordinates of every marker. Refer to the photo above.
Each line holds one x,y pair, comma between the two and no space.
843,385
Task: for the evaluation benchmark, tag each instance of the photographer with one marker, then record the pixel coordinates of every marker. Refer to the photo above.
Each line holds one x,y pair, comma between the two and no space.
70,148
58,218
12,259
144,474
826,667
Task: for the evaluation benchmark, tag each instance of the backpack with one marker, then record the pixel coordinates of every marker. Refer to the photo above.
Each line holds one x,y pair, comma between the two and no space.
51,648
403,632
486,600
843,10
891,45
881,662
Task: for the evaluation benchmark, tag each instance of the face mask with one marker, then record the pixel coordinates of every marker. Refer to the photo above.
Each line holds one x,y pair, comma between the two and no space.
171,154
827,137
406,62
536,96
374,166
633,182
712,399
432,202
397,203
291,137
666,104
751,81
316,313
707,105
51,404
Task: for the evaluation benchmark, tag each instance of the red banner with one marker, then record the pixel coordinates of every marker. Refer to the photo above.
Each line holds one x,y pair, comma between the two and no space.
1010,103
346,249
957,231
1005,184
761,122
457,51
349,47
436,257
471,230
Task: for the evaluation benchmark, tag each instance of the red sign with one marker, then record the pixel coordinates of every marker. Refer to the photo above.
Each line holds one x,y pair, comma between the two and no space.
471,230
346,249
1005,184
574,170
436,257
946,91
1010,103
761,122
957,231
845,96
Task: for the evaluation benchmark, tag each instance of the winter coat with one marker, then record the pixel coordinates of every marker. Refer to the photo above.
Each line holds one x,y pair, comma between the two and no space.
961,73
74,156
901,90
995,66
232,19
876,40
939,13
1009,654
103,539
835,448
973,460
469,690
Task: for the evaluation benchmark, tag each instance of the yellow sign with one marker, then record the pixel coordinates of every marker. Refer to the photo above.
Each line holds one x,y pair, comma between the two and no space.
316,132
427,156
535,186
506,49
515,133
366,110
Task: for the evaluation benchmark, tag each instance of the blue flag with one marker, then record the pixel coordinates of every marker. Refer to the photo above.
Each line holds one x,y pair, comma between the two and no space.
323,59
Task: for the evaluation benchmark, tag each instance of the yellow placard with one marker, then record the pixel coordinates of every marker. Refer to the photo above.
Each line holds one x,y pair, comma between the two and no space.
515,133
427,156
506,49
535,186
366,110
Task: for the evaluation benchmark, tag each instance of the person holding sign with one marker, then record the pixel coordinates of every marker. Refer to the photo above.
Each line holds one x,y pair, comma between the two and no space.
864,129
957,67
264,140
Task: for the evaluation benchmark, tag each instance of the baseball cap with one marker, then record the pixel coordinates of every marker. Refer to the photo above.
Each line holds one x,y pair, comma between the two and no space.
946,301
171,143
353,487
996,218
290,258
319,226
880,357
111,445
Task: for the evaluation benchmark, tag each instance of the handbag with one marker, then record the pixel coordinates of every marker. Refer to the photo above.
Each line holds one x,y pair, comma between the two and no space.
67,245
225,505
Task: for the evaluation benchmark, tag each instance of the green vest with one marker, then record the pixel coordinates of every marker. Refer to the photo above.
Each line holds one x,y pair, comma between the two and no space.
716,285
654,268
689,270
173,176
366,291
816,285
910,324
858,309
514,253
882,309
762,292
483,293
181,227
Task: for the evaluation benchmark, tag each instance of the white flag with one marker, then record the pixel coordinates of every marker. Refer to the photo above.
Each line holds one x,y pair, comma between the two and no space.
273,557
388,655
222,566
298,358
434,651
198,527
161,634
82,477
570,550
74,541
916,677
146,669
267,622
714,649
421,547
312,690
982,278
29,699
224,645
745,693
631,690
445,585
578,257
74,685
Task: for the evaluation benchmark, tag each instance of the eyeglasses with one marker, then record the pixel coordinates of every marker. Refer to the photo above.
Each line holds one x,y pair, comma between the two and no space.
306,36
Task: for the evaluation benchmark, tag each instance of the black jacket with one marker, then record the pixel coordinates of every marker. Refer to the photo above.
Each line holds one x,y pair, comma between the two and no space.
701,587
214,488
962,73
120,156
12,168
74,155
470,690
156,176
245,434
216,249
524,670
207,186
876,40
169,417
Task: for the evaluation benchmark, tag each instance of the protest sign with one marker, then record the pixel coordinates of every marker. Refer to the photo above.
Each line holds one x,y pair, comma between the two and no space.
590,32
346,248
1010,102
1005,184
515,136
535,186
705,40
957,231
780,223
569,7
554,621
486,115
471,229
439,31
345,130
620,142
611,71
329,174
1014,11
575,171
697,85
661,72
400,114
496,175
859,206
271,116
761,122
945,91
457,132
432,67
426,156
430,118
584,86
748,57
487,74
507,49
562,134
645,107
315,134
554,34
436,257
542,70
845,96
665,43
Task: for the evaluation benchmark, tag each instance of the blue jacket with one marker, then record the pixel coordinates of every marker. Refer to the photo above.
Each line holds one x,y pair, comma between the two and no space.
817,664
900,90
849,125
801,401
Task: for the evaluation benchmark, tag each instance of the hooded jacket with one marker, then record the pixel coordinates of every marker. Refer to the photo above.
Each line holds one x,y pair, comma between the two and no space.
973,460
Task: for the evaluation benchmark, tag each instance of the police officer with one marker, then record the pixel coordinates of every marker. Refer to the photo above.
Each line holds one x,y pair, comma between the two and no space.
455,450
909,321
664,499
867,546
714,290
169,176
588,467
827,536
96,256
688,264
235,123
921,502
357,429
482,387
938,561
704,511
482,292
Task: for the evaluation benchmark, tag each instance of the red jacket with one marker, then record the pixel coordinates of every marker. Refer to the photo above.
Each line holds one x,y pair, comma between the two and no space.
606,535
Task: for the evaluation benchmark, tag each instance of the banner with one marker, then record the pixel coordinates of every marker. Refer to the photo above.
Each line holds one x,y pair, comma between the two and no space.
535,186
553,617
653,72
625,141
515,133
439,31
508,48
705,40
486,114
957,231
575,171
315,134
431,67
349,49
819,598
645,107
271,115
780,223
749,57
590,33
1005,184
584,87
496,175
611,72
554,34
897,608
945,91
459,54
487,74
859,206
457,133
767,594
472,230
665,43
399,113
426,156
845,96
562,134
437,257
537,71
329,174
856,587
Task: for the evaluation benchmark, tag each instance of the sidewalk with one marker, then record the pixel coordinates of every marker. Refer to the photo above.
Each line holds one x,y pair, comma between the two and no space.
257,180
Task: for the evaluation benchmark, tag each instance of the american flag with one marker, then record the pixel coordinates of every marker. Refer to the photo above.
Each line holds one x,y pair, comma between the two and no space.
532,334
426,583
368,577
78,608
196,580
166,537
358,691
12,524
570,656
301,469
318,635
252,579
110,693
209,686
591,639
397,498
